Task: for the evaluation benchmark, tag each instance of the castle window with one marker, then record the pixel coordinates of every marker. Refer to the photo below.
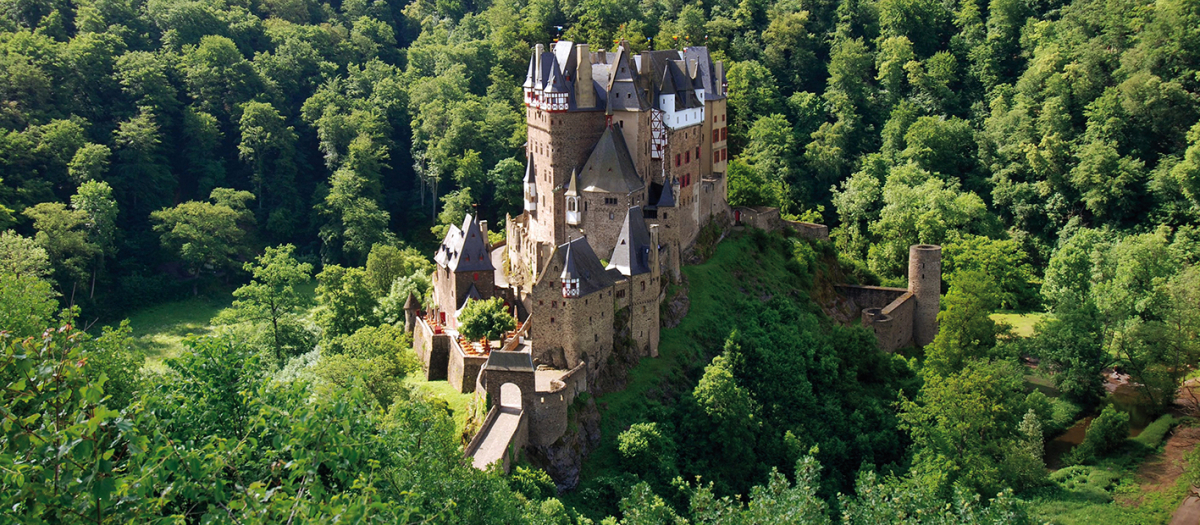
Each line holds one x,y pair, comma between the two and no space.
596,338
697,152
714,119
475,276
716,133
717,156
620,294
610,216
540,303
722,118
687,157
643,289
664,215
551,320
724,133
553,304
612,201
677,163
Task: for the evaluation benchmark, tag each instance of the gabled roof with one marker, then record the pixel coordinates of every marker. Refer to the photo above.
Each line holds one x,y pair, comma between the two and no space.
610,168
555,83
706,74
509,361
580,262
472,295
631,256
464,249
623,93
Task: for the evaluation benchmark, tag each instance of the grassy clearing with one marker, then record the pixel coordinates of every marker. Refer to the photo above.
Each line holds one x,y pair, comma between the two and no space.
1110,491
456,400
159,330
1092,503
1022,324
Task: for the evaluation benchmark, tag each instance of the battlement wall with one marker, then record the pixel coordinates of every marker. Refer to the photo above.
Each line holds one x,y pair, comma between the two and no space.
433,350
463,368
768,218
548,414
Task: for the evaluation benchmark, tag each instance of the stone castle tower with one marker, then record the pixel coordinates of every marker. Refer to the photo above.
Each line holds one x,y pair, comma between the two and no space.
925,283
903,316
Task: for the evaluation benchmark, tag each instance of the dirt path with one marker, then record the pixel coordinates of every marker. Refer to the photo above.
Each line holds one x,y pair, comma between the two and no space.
1159,473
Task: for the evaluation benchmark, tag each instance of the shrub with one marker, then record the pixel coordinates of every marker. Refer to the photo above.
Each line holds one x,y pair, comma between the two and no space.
486,318
533,483
1106,433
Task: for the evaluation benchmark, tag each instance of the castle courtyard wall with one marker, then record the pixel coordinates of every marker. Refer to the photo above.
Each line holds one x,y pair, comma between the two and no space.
433,350
463,368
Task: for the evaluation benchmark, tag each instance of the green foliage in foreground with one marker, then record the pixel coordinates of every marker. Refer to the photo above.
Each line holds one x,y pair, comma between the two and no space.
216,440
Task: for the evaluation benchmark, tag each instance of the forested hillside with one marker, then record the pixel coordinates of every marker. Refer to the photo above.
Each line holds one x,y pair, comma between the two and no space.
157,149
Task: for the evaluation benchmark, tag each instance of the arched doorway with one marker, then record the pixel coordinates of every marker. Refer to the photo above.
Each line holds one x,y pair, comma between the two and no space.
510,396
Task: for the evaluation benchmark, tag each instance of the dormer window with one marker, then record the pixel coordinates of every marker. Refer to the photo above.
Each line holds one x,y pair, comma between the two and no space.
570,288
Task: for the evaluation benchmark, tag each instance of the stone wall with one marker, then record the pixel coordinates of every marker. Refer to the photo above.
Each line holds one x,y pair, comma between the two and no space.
548,415
432,349
602,222
767,218
869,296
463,368
900,318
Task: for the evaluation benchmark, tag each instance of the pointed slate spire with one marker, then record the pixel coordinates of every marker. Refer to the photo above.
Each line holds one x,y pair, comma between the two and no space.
667,198
631,256
529,76
411,303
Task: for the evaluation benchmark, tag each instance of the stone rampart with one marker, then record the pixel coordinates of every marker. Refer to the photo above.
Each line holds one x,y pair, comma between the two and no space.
463,369
869,296
548,417
433,349
768,218
900,333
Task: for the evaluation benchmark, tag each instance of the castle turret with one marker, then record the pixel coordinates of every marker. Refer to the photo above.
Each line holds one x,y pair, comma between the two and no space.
410,312
574,214
925,283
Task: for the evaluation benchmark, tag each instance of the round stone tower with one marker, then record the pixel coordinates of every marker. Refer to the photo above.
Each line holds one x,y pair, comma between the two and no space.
925,283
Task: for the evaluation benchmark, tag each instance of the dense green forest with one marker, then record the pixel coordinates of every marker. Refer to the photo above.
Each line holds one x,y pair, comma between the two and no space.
160,149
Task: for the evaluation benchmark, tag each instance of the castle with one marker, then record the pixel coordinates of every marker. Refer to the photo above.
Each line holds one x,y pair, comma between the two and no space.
626,163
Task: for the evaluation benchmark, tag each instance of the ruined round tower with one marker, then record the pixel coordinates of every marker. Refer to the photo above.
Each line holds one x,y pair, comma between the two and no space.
925,283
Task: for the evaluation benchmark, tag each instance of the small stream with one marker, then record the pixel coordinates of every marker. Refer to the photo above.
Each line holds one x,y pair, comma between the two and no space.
1122,394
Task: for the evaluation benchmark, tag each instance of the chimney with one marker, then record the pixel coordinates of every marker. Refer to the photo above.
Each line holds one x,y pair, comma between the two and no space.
719,80
602,56
655,270
537,67
585,93
483,231
644,64
691,68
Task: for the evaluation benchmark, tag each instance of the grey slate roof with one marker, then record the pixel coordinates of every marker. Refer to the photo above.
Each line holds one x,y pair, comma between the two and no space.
631,256
411,303
509,362
705,72
667,198
464,249
580,262
472,295
623,92
610,168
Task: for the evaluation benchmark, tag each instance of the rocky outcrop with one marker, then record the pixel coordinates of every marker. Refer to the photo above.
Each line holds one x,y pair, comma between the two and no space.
564,458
